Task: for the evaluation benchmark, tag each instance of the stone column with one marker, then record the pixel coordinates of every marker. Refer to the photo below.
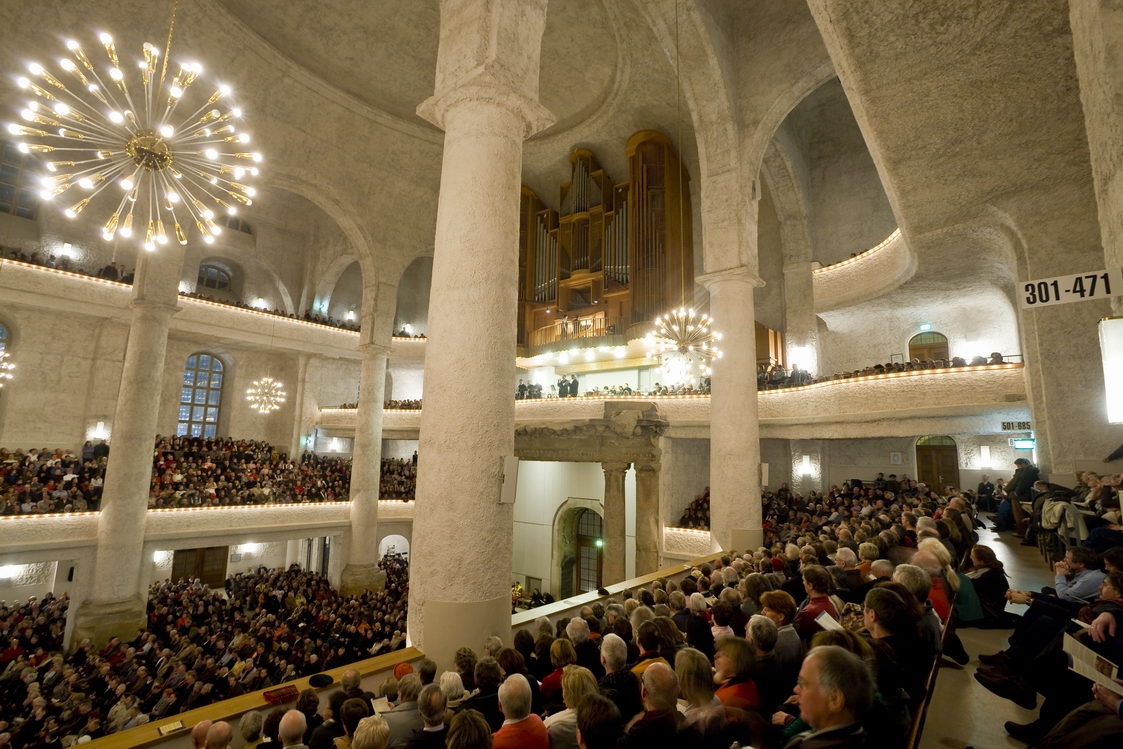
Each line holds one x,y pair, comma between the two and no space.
296,443
361,572
648,527
1097,46
486,102
615,524
735,512
115,605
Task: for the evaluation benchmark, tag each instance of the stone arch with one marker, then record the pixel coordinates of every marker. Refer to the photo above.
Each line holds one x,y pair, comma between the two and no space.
393,543
562,536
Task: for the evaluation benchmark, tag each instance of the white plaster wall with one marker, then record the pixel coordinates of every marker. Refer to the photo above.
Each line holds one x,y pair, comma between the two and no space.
409,379
543,488
413,296
21,582
865,458
399,449
685,473
347,297
777,455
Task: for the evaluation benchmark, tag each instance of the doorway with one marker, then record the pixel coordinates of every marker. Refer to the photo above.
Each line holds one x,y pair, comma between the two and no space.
937,462
208,565
930,345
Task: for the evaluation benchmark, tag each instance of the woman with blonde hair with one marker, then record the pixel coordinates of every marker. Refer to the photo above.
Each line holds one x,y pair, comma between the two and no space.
561,727
371,733
938,550
696,684
562,654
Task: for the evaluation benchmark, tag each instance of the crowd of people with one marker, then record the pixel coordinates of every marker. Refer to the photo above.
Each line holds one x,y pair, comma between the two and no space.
201,472
398,479
775,376
46,481
199,646
309,315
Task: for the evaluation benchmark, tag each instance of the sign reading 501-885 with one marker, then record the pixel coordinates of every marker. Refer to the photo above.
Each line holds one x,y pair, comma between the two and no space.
1082,287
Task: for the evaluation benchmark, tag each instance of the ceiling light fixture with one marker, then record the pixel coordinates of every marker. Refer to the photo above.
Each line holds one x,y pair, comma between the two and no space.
266,395
172,170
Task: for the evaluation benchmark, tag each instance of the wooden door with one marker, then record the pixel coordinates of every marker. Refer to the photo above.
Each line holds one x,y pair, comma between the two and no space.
209,565
929,345
937,465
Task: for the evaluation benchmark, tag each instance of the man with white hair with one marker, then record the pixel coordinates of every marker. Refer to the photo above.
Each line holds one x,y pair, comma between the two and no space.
661,722
292,728
848,561
521,728
619,684
405,719
588,654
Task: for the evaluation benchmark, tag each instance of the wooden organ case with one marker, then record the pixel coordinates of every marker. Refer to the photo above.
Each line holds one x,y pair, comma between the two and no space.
614,256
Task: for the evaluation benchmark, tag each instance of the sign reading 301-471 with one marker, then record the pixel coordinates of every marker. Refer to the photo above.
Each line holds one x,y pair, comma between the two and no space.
1082,287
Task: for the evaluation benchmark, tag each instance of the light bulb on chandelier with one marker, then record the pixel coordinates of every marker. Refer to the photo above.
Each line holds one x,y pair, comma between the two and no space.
266,395
172,170
685,345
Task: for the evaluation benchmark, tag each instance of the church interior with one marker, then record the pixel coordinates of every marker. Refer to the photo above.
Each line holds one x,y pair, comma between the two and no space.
392,327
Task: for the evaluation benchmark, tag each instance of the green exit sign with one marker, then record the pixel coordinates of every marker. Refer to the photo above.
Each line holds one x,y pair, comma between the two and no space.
1025,444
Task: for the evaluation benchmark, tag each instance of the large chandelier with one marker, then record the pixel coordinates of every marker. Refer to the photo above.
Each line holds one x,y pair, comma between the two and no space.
166,170
684,344
6,367
266,395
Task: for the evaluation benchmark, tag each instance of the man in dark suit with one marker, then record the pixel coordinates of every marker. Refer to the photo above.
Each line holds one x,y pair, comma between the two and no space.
432,705
1020,489
563,387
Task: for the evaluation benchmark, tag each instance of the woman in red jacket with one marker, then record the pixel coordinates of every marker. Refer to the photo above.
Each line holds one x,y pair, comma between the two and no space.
733,678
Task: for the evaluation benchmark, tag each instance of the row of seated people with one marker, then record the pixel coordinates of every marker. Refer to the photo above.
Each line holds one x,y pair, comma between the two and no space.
771,377
198,647
404,333
390,405
571,388
398,479
46,481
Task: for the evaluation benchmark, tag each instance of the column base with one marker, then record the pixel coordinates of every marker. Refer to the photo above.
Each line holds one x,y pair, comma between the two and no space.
646,562
357,578
451,625
747,539
99,621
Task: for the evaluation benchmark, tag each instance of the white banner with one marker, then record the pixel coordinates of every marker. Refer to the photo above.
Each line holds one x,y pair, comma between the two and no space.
1081,287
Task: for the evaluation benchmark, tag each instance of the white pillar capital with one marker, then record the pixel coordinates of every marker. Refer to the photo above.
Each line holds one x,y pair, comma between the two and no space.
374,349
486,92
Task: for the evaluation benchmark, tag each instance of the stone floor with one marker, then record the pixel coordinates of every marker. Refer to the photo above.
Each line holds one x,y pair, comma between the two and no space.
963,713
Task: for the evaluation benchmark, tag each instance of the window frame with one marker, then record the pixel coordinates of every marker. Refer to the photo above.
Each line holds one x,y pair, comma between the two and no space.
219,273
25,180
201,417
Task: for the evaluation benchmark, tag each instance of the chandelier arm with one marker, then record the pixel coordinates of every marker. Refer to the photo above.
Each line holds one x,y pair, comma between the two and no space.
168,46
202,186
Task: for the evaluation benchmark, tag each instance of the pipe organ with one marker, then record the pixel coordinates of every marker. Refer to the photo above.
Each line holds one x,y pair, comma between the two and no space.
613,255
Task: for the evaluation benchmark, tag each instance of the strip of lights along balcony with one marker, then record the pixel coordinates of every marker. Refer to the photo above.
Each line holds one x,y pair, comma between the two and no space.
171,170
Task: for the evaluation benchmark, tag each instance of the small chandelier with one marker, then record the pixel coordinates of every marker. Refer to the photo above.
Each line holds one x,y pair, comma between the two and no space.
165,169
684,344
6,367
266,395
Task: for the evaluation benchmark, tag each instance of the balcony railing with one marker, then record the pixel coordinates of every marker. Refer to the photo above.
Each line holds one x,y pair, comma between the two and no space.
580,330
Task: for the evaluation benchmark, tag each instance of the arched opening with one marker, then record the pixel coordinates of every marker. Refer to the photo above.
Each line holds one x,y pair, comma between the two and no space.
412,314
937,462
346,301
393,544
928,345
590,550
570,536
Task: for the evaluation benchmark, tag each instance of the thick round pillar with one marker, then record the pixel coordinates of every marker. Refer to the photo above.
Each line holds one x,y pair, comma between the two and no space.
460,588
647,518
361,572
735,510
115,605
614,567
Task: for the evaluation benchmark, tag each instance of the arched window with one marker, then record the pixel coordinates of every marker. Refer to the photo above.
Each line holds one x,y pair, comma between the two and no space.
590,543
930,345
235,223
4,337
213,277
201,397
18,193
